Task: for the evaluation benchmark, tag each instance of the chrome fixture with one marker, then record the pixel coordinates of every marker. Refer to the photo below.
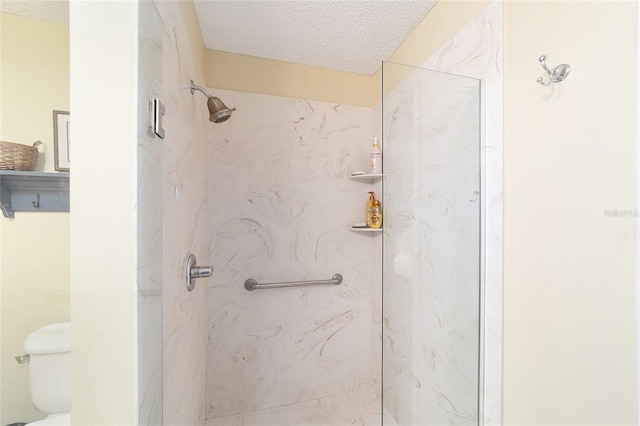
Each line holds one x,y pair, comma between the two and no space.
556,75
23,358
252,284
155,111
218,111
193,272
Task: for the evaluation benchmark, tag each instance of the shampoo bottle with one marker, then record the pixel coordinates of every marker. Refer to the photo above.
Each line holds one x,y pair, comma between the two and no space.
376,215
375,158
369,209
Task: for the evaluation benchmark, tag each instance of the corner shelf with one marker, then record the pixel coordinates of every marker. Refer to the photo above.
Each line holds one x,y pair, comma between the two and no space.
33,192
366,229
371,178
366,177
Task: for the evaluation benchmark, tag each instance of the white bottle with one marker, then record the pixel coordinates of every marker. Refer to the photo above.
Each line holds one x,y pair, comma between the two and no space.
375,158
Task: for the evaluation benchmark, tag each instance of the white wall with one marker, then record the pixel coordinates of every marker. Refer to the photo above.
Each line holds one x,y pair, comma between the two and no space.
103,214
569,313
35,81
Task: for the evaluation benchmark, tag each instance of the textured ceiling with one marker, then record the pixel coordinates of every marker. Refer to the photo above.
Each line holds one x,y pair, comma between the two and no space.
49,10
347,35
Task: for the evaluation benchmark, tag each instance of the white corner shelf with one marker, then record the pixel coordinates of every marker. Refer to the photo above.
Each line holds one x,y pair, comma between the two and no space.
365,229
370,178
366,177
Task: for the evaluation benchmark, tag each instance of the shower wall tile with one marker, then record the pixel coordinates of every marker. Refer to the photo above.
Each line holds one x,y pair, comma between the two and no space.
476,51
184,226
279,204
361,407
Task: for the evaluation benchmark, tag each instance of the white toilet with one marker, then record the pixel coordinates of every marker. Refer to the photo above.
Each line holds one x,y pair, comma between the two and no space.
49,349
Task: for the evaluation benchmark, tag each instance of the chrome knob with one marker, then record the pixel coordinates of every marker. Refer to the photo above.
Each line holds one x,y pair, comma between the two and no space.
193,272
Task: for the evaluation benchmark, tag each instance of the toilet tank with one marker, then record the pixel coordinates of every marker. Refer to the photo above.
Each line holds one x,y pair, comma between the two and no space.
50,367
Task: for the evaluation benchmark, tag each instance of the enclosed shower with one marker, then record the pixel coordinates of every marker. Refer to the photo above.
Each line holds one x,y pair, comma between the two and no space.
397,338
271,198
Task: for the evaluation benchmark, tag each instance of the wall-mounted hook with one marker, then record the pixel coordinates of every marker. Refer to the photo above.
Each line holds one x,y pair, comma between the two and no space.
36,203
556,75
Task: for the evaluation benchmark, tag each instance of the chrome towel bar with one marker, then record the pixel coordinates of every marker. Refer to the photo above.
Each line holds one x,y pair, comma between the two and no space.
252,284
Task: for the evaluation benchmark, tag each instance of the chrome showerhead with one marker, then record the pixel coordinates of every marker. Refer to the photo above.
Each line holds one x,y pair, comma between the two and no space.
218,111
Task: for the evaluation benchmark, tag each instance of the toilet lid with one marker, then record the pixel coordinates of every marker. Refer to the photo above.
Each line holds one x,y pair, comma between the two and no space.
54,420
50,339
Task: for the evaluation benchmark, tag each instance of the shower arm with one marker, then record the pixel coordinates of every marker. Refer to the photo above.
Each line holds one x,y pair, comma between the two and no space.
218,111
195,87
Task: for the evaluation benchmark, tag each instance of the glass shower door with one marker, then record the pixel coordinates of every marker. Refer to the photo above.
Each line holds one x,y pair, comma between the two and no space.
431,247
149,219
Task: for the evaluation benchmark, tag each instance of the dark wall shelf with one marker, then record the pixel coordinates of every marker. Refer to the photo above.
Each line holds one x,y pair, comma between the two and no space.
33,192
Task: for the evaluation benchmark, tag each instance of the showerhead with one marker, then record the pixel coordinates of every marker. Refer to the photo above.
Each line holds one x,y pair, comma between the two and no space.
218,111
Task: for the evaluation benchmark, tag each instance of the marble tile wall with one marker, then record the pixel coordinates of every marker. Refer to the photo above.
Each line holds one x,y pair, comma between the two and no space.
184,225
279,204
361,407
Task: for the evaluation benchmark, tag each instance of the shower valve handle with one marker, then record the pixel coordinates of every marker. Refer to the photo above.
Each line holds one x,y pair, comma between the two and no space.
201,271
193,271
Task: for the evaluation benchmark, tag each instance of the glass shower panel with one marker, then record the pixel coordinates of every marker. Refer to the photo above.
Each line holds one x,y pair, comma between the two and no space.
431,247
149,220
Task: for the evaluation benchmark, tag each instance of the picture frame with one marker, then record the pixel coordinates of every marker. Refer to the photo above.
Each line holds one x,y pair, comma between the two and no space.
61,141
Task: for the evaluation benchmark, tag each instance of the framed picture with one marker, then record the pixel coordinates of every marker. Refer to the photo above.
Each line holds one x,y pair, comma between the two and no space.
61,140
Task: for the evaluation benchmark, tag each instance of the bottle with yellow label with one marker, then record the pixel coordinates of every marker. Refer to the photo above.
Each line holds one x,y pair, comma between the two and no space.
372,198
376,215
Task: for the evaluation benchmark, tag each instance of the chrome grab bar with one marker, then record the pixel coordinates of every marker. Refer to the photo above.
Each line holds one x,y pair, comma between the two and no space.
252,284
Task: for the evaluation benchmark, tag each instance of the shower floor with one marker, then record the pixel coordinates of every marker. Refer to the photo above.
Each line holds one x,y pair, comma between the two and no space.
361,407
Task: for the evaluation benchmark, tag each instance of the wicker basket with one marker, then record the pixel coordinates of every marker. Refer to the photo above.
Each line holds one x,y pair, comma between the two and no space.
15,156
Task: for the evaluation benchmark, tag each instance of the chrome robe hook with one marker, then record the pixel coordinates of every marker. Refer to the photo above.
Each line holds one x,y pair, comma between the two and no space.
556,75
